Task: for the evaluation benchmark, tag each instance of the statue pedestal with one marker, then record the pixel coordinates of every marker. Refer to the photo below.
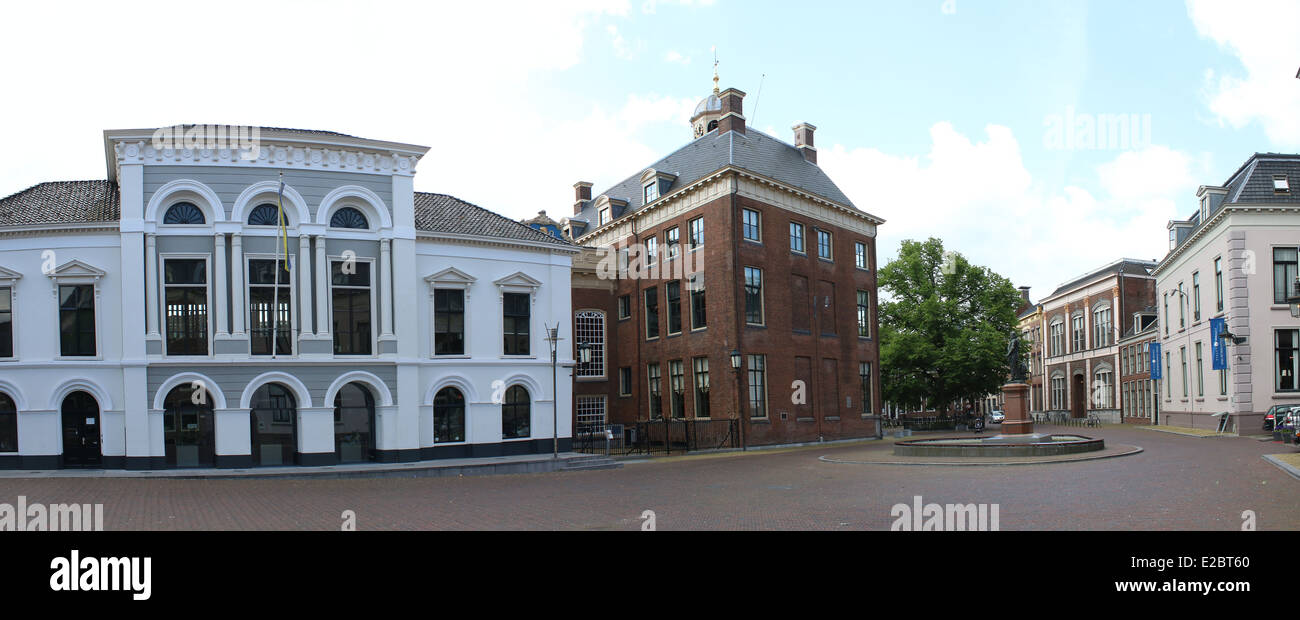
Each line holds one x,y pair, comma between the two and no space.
1015,397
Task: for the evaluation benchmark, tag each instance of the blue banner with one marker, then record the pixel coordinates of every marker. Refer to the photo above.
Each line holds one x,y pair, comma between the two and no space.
1157,370
1218,348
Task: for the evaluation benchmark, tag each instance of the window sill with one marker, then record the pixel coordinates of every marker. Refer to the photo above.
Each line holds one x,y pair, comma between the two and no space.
1286,395
696,330
756,325
799,254
832,418
600,379
760,420
515,357
752,242
1222,399
625,396
805,419
826,260
452,357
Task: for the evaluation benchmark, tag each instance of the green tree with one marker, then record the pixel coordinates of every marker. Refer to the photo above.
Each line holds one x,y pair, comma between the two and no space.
945,329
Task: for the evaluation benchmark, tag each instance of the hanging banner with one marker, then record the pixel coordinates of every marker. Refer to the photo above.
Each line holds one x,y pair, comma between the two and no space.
1157,371
1218,348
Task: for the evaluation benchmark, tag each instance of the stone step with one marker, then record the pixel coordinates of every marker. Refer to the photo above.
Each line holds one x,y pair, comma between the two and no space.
593,466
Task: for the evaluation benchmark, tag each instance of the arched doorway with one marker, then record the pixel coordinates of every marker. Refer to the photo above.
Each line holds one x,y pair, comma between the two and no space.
1078,396
81,435
189,434
354,424
274,421
8,424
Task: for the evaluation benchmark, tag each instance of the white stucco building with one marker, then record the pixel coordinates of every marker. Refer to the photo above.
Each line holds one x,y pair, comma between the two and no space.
137,313
1235,258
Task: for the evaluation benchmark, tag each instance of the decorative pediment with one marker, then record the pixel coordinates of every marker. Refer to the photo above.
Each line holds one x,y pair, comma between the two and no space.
7,276
450,277
76,269
517,281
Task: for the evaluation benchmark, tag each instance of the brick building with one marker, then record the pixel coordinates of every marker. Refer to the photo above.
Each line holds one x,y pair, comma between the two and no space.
1083,321
735,243
1139,395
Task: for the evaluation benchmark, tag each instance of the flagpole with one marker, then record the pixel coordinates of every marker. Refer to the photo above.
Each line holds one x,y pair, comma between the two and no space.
275,295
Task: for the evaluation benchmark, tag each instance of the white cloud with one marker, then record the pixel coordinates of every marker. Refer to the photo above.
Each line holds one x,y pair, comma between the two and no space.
1261,34
677,57
981,200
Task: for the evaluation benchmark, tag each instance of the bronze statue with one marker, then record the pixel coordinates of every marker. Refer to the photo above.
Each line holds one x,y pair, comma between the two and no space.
1016,361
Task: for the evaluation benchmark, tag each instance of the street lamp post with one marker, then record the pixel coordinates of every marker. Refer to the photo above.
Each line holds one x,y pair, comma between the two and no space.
553,338
740,423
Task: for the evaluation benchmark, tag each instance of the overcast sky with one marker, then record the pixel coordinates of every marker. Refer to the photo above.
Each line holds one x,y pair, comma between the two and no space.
948,118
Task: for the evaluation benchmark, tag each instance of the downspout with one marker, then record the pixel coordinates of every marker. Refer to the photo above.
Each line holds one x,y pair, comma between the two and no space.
738,279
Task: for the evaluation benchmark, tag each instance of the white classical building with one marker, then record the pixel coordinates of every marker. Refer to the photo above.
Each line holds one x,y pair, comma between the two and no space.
144,322
1234,258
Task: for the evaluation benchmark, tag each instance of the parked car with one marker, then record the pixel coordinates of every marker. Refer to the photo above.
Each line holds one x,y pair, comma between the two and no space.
1273,416
997,417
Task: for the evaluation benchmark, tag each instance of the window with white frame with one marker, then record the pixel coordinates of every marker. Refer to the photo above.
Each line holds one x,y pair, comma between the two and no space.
1101,327
656,396
352,316
750,225
672,238
1200,372
185,306
448,321
77,320
1284,273
700,367
6,322
516,321
1058,392
591,414
1218,284
677,384
1103,389
758,386
1286,360
1056,338
1196,296
824,245
696,229
270,311
860,255
589,330
796,238
1077,335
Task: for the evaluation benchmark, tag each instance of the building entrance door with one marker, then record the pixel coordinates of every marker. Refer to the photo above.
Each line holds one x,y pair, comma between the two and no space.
1078,395
81,431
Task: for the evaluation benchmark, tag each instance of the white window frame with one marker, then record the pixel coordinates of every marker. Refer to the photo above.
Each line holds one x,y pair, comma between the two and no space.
9,281
163,257
601,339
294,305
374,310
91,279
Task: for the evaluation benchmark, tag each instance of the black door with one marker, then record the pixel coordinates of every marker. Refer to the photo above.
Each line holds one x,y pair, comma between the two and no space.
81,431
189,436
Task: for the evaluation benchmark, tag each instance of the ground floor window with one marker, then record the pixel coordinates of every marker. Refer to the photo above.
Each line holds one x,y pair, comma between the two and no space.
274,421
516,413
591,414
758,386
8,424
1286,360
1103,389
701,368
189,427
448,416
354,424
1058,392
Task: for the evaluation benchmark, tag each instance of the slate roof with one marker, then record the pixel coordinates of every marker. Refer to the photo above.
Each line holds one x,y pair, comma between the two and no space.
754,151
62,202
1122,266
1253,182
441,213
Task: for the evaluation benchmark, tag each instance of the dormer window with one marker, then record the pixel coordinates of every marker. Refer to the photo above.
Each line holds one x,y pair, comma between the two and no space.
1280,185
604,216
651,192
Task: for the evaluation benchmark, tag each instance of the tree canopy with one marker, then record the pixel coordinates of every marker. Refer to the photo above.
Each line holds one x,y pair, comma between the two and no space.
945,329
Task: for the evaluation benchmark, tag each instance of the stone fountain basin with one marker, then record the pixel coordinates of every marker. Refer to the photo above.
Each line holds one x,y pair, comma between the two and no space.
1000,446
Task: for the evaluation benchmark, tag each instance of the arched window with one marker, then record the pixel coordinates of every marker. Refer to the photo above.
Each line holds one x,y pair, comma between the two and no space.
448,416
189,427
354,424
274,420
184,213
265,215
347,217
713,125
516,413
1103,388
8,424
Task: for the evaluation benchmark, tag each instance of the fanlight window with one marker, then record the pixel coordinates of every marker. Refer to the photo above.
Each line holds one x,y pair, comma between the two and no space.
184,213
265,215
347,217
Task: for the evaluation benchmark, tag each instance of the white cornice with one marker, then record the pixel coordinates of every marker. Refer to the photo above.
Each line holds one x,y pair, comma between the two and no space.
1213,223
37,230
494,242
274,150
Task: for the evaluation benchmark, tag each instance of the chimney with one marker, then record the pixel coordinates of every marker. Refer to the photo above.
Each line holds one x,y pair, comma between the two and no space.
733,117
581,194
803,140
1024,294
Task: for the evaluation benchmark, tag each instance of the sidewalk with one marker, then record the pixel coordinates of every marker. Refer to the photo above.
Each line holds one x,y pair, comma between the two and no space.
522,464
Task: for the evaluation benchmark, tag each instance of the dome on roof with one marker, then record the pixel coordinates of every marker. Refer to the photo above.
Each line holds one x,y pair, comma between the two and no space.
709,104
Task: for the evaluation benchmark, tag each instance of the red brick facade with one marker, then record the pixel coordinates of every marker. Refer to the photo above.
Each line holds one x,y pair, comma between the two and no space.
809,328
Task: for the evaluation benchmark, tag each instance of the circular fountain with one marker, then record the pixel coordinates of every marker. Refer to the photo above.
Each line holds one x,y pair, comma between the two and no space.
1036,444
